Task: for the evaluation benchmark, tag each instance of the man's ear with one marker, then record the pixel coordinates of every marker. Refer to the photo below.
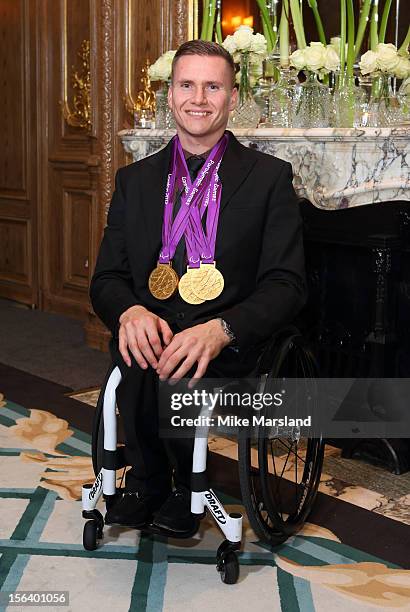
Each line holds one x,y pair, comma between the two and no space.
234,98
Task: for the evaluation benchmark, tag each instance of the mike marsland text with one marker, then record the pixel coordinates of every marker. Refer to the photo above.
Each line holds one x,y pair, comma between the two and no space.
257,420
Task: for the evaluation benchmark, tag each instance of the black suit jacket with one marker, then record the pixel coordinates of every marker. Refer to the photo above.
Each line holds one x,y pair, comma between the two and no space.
259,247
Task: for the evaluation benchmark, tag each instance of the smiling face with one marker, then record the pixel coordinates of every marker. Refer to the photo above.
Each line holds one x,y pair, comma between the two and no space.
201,96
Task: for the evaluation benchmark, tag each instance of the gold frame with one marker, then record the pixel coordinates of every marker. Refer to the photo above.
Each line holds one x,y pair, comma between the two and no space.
81,117
193,26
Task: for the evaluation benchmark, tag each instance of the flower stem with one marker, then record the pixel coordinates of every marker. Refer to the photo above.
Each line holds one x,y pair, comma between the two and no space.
244,85
383,23
406,43
211,19
205,16
284,34
267,26
218,27
374,38
350,38
297,23
342,39
319,24
364,15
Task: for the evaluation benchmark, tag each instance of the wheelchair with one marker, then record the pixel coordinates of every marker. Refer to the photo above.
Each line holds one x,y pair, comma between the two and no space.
277,501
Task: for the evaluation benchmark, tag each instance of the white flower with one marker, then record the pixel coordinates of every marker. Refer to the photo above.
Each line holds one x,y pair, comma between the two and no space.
335,44
230,45
297,59
332,60
243,38
315,56
368,62
259,44
387,57
244,41
402,70
161,69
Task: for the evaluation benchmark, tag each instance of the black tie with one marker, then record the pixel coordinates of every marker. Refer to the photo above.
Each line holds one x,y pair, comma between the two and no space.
194,164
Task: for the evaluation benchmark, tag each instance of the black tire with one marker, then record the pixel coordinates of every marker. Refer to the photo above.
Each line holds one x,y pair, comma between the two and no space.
228,568
90,535
277,507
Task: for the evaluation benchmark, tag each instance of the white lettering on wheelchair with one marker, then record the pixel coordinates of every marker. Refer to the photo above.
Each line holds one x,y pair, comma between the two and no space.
214,507
96,486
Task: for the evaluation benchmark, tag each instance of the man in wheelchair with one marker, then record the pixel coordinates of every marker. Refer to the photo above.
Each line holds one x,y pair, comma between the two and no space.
201,261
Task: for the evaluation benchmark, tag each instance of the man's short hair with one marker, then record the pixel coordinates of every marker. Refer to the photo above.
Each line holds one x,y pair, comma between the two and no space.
204,47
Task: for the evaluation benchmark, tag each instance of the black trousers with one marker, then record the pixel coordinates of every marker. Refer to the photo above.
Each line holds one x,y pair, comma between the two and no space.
155,461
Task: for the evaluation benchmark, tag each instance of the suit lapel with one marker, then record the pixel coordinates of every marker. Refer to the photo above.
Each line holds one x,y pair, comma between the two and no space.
158,165
234,169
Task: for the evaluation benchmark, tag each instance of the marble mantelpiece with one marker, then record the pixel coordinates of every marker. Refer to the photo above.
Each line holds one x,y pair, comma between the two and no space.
333,168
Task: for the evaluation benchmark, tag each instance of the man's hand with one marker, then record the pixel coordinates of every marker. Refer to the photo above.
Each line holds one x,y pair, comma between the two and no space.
139,332
199,344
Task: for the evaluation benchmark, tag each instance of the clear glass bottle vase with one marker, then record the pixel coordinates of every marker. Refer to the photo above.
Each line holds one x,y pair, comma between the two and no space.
311,106
384,107
247,112
281,97
164,119
348,102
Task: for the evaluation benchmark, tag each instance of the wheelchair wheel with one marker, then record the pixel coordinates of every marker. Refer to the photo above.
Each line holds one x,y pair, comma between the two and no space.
279,476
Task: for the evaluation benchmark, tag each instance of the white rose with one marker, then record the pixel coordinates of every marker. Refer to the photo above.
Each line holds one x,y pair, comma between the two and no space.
335,42
229,44
236,57
297,59
315,56
161,69
243,37
402,70
332,60
387,58
368,62
259,44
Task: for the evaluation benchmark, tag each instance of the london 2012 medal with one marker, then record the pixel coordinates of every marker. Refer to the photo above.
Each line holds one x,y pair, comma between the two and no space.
208,282
185,288
163,281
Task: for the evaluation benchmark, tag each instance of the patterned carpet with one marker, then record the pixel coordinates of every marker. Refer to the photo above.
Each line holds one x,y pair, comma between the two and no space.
44,460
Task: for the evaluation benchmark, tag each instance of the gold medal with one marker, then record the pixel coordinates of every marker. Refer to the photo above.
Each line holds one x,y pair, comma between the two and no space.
208,282
185,288
163,281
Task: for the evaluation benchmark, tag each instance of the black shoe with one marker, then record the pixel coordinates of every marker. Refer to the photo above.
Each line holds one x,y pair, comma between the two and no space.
134,509
174,518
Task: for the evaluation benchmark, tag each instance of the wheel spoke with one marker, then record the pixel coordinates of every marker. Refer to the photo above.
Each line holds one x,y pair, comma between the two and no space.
294,452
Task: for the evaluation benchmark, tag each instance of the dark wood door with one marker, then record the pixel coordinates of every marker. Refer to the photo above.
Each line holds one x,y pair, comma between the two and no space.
18,152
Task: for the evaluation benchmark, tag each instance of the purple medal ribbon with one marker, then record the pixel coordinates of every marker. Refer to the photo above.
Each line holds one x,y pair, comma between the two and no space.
172,231
201,246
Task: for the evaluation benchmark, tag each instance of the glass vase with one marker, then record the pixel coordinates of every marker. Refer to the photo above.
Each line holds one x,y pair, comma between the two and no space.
403,96
311,106
348,102
384,107
281,98
164,119
247,112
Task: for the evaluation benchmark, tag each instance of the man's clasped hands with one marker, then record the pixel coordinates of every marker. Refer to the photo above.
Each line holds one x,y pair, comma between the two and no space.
152,343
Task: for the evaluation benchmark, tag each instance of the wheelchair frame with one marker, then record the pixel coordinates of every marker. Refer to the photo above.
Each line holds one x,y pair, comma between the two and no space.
202,496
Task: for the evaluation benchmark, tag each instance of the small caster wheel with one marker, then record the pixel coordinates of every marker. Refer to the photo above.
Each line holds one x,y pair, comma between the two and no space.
90,535
228,567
